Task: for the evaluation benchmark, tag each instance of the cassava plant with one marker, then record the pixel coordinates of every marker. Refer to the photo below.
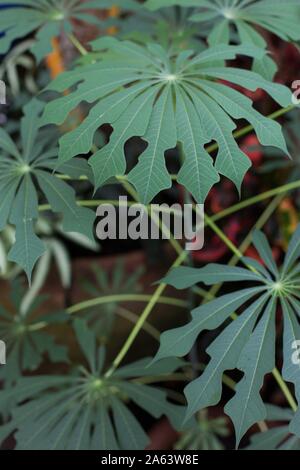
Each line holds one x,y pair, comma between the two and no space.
154,103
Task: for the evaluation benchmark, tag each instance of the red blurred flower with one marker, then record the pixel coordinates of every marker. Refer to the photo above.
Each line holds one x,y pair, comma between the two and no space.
251,147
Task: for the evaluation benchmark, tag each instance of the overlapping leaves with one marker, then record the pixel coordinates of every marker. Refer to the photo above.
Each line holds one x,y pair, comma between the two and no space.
278,437
119,282
143,91
23,173
269,14
48,18
245,16
247,343
86,410
205,434
169,27
25,338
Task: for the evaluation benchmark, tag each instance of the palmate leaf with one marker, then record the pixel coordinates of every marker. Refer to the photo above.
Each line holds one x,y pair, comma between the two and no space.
170,28
25,338
86,410
164,99
266,13
119,281
205,434
47,18
247,343
279,437
245,16
21,171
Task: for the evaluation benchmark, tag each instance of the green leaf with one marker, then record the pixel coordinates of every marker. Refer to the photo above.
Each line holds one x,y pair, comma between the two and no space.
225,352
105,436
130,433
220,34
265,67
110,161
117,282
151,175
206,434
261,244
144,367
248,343
26,344
23,173
85,409
291,368
29,127
47,19
8,190
87,342
62,200
268,132
164,97
293,252
231,161
278,438
197,173
245,16
8,145
179,341
256,360
184,277
269,440
28,248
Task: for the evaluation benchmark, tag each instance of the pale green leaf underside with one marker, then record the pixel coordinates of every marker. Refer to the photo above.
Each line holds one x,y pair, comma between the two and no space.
269,14
248,342
141,91
86,411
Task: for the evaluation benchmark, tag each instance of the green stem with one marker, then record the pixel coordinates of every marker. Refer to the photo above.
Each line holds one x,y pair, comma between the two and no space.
134,318
156,298
265,216
285,390
117,298
256,199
